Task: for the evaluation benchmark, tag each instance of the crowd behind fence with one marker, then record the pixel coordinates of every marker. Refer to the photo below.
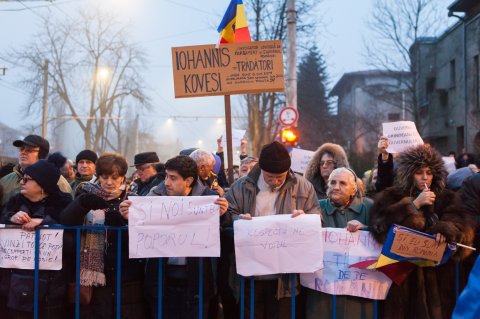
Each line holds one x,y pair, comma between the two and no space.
120,230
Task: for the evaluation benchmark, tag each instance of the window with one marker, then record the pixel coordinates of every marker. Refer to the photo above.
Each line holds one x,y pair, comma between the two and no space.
452,74
393,117
476,81
429,88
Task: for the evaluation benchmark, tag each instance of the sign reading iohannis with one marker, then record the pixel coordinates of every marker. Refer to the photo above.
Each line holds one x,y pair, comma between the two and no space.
236,68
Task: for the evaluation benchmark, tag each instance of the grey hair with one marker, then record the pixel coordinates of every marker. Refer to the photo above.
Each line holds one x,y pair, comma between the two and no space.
248,160
203,157
340,170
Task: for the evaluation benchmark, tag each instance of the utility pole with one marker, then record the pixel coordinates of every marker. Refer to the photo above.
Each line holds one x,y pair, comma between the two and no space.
45,100
291,79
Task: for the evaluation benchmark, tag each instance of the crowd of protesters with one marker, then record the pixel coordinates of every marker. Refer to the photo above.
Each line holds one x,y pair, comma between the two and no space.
411,189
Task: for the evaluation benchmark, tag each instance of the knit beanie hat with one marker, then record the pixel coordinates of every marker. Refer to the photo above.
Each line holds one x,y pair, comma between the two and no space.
218,163
47,172
274,158
86,155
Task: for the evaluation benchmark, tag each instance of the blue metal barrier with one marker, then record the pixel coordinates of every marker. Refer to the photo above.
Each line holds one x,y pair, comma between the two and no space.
120,230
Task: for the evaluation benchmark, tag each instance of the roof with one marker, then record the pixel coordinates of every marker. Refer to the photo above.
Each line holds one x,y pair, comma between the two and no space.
461,5
351,76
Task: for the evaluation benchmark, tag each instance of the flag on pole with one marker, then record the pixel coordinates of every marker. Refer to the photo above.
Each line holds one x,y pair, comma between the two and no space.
398,267
234,26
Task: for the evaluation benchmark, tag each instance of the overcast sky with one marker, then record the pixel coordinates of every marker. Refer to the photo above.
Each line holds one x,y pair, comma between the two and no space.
158,25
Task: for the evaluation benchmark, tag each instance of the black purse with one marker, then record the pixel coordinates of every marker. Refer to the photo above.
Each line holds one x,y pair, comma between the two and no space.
21,293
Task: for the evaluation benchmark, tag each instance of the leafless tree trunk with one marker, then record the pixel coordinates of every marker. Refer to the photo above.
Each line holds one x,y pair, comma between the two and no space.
94,74
396,26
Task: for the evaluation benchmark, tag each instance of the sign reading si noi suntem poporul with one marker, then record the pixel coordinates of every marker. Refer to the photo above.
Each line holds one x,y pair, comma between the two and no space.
236,68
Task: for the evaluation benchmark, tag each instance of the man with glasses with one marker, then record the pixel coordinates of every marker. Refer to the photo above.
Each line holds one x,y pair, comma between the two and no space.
31,149
149,176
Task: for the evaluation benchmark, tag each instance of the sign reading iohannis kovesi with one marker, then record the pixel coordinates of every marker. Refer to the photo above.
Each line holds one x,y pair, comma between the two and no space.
236,68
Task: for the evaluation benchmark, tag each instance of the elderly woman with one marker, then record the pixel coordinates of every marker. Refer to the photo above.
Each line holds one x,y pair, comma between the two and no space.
419,200
343,208
38,203
328,157
98,204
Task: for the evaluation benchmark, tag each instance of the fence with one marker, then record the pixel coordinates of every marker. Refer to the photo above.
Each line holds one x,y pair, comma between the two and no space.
120,230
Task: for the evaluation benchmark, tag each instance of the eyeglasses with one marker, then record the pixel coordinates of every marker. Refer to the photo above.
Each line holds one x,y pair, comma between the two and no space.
328,162
141,168
25,179
29,149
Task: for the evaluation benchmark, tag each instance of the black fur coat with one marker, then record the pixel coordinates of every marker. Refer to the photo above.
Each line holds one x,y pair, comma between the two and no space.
427,292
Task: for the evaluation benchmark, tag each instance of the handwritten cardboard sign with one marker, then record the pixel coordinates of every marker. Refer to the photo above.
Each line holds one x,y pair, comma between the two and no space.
17,249
174,226
401,135
278,244
300,159
237,136
408,244
235,68
341,249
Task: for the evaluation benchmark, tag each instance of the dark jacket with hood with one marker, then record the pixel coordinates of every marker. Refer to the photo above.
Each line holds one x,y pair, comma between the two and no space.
312,173
427,292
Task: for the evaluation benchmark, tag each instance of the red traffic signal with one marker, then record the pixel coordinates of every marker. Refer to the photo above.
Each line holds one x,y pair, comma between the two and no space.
289,136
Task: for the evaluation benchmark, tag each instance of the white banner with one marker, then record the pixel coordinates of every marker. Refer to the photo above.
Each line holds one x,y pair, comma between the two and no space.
449,163
174,226
341,249
401,135
278,244
300,159
17,249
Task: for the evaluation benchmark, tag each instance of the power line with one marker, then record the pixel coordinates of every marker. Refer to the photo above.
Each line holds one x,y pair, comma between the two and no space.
36,7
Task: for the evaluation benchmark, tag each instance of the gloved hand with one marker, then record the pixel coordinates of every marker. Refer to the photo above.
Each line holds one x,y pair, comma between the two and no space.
92,201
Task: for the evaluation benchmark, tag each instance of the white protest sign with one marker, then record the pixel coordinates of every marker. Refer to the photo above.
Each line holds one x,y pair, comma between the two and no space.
300,159
17,249
174,226
278,244
237,136
449,163
341,249
401,135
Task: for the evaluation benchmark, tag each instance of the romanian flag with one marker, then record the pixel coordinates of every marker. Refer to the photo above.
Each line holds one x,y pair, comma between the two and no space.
398,267
234,26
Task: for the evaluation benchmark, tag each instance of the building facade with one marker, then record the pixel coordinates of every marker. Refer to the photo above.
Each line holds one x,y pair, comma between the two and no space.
448,88
365,100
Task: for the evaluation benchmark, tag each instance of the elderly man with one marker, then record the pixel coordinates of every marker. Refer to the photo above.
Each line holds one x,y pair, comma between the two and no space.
205,162
271,188
181,274
148,177
68,171
31,149
85,168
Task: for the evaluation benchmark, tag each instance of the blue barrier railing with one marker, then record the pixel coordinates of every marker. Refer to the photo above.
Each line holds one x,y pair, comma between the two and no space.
120,230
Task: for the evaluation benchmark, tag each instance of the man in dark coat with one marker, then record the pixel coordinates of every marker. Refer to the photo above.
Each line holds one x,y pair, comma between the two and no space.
180,275
149,175
86,168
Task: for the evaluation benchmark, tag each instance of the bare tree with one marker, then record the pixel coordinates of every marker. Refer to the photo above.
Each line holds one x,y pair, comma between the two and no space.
94,75
396,26
267,21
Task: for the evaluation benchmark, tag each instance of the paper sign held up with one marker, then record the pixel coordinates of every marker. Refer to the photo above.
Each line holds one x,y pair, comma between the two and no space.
408,244
300,159
342,249
401,135
278,244
174,226
17,249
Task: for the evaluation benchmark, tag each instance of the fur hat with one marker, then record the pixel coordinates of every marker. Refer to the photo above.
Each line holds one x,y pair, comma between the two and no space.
47,172
274,158
417,157
338,154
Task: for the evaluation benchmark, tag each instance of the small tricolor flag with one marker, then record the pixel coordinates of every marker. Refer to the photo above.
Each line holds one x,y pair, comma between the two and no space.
398,267
234,26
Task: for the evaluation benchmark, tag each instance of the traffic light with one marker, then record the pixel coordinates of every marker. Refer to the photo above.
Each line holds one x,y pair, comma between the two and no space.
289,136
